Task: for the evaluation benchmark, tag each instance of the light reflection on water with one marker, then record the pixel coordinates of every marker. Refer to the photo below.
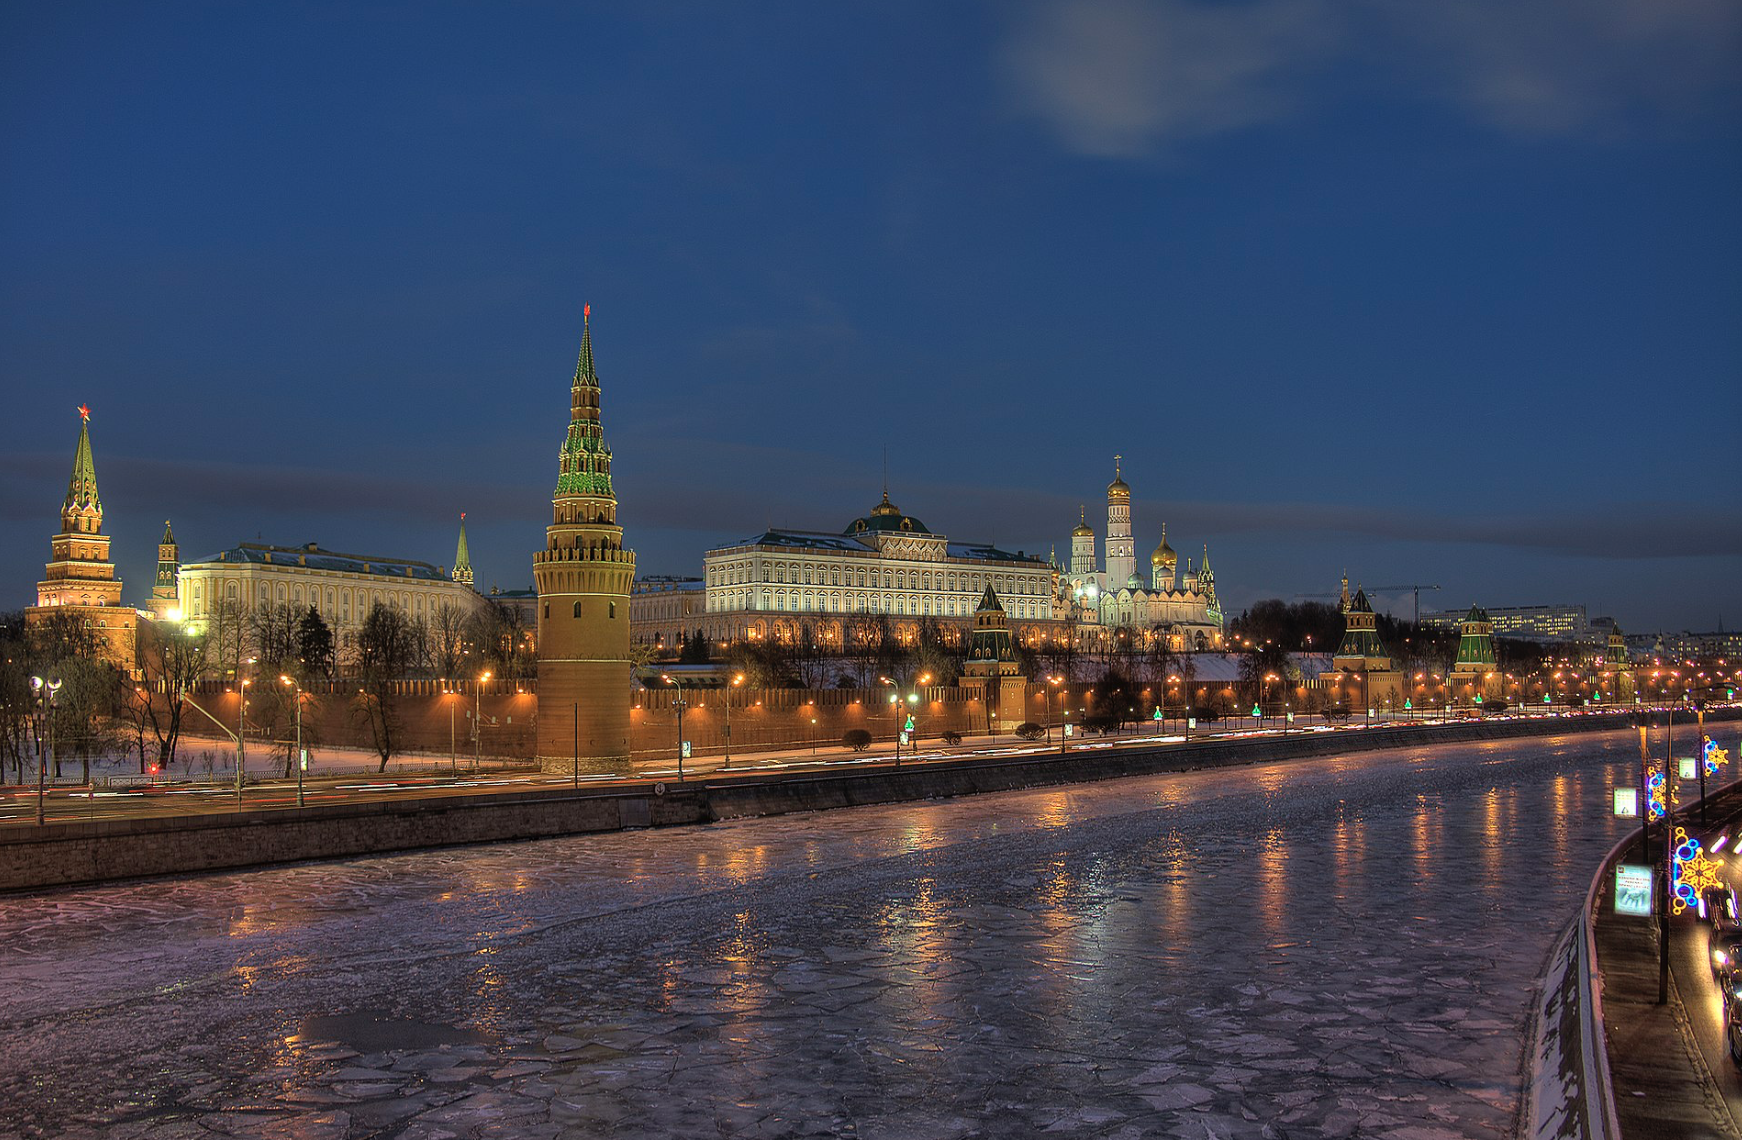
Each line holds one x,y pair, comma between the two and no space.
1394,895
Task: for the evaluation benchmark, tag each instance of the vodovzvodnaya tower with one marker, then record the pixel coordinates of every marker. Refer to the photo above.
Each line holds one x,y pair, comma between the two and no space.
583,575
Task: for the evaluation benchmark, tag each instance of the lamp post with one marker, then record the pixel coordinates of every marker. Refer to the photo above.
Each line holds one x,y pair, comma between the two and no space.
736,681
453,735
241,728
667,678
895,699
478,721
45,698
296,692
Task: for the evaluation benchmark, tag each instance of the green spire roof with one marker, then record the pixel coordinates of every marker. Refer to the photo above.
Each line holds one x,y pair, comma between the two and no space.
82,489
989,603
168,538
584,373
462,557
1475,642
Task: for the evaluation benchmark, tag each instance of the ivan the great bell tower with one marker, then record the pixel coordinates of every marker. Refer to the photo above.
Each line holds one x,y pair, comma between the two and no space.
583,576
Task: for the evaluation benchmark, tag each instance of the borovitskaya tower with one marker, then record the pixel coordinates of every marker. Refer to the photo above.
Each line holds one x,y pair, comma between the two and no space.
583,576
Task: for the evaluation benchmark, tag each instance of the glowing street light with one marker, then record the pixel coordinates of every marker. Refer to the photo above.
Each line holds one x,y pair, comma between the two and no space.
296,692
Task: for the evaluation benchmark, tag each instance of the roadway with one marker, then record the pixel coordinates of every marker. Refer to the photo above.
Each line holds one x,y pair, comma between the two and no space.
1690,966
126,798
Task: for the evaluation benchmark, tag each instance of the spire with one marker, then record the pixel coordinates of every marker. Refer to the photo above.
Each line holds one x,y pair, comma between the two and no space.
584,366
82,489
989,602
462,571
584,464
168,538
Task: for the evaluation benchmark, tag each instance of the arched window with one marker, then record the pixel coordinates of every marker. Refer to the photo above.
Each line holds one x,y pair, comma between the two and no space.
612,614
577,609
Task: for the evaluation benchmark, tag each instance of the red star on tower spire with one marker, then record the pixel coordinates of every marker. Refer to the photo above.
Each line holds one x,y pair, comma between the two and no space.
84,413
587,310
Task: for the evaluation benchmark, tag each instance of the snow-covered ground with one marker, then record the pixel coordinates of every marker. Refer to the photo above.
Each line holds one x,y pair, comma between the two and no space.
1318,948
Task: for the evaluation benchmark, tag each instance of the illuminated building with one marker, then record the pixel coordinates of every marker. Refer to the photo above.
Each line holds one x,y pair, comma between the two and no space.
1476,672
664,608
1525,623
1361,658
1186,611
165,598
992,662
886,563
342,588
583,575
79,579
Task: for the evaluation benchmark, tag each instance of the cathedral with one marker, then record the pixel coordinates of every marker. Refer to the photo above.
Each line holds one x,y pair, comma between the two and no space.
1183,609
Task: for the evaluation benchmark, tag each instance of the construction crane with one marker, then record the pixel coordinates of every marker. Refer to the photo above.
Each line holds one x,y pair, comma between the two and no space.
1414,588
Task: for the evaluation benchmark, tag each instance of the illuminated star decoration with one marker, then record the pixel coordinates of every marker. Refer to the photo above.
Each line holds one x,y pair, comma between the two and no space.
1694,873
84,413
1715,757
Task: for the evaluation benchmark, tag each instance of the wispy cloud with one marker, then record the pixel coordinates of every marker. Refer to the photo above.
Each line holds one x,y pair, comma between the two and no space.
1122,78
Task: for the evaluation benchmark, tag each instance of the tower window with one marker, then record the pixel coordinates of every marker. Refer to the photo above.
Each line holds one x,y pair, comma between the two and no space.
613,613
547,611
577,609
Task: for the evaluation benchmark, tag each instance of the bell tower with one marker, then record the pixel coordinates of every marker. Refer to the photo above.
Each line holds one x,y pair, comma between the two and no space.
583,575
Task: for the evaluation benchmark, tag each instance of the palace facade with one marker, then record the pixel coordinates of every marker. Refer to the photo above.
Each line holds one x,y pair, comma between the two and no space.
884,565
342,588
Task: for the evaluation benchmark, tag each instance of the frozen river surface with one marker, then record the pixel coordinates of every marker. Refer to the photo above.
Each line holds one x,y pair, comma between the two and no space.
1320,948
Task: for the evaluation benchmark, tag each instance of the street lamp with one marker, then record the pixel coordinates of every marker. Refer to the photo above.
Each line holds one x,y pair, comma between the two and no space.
296,691
1052,682
241,727
478,721
680,703
736,681
895,699
45,698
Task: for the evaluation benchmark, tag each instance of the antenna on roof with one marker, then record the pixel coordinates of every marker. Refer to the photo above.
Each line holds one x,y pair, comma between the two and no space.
886,471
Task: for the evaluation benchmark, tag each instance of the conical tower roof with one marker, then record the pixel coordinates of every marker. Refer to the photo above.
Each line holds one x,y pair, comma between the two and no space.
989,603
82,489
1360,605
462,571
168,538
584,373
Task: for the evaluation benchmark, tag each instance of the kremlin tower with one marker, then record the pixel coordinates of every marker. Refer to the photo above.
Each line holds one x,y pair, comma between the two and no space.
583,576
80,579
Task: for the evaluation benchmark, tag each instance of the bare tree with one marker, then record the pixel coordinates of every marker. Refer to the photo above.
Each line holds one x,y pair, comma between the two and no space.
808,659
386,646
227,634
447,637
171,660
272,635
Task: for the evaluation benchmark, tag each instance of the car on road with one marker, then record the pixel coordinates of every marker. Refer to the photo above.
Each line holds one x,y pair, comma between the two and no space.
1726,954
1717,904
1733,1031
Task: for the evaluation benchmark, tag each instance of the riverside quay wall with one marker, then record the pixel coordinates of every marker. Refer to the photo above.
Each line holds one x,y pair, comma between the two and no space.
434,717
64,854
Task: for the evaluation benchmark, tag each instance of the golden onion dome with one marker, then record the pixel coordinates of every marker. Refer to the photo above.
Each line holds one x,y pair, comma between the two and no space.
1083,529
1117,490
1164,555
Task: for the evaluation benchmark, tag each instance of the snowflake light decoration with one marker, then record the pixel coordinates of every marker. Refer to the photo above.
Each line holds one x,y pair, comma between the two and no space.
1714,756
1693,873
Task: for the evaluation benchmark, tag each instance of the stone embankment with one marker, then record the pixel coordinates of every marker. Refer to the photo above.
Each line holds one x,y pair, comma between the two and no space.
66,854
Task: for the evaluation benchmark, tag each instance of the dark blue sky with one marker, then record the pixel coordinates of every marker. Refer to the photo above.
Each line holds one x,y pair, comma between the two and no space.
1440,296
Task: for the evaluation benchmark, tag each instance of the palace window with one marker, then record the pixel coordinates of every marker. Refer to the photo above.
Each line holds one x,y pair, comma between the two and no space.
577,609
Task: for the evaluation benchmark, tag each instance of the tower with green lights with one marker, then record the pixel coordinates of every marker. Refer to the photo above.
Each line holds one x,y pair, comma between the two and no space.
1475,677
583,576
992,661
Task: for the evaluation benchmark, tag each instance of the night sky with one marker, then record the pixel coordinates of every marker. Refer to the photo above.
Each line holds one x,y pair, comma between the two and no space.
1441,293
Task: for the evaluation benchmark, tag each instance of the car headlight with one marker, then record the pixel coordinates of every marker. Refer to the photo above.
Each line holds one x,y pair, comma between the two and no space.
1718,957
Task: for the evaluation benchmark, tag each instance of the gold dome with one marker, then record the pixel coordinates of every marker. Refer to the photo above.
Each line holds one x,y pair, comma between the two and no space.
1117,491
1164,555
1083,529
885,507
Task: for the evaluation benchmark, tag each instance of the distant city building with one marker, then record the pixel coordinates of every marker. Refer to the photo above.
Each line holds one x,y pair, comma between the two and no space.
1186,612
79,580
1687,644
342,588
1565,623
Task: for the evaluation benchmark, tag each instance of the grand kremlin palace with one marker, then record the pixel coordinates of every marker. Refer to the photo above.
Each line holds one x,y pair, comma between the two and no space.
889,564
